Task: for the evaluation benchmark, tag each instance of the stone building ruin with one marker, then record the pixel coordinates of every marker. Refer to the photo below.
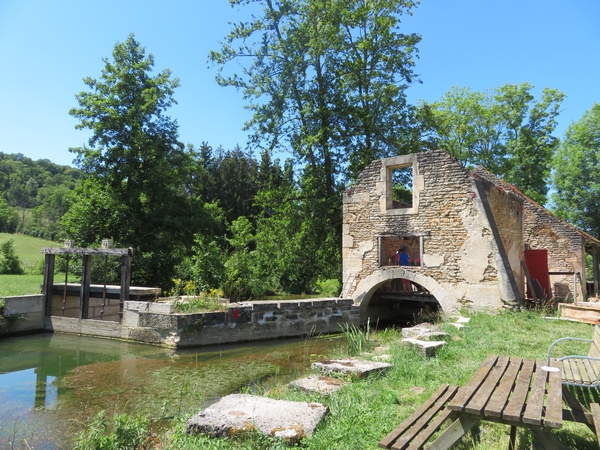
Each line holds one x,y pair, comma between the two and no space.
468,234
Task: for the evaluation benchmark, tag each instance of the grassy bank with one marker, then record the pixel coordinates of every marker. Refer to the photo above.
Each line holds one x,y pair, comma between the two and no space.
29,251
364,411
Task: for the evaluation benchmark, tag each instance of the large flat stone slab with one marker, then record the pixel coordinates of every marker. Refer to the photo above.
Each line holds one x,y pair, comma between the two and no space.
236,413
426,348
419,330
318,383
356,366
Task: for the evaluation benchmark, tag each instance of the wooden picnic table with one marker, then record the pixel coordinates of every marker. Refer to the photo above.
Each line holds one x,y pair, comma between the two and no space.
513,391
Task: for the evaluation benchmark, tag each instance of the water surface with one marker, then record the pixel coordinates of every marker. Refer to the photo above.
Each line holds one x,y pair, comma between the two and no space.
52,385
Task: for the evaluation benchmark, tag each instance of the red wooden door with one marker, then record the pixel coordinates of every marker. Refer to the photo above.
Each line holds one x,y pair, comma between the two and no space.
537,263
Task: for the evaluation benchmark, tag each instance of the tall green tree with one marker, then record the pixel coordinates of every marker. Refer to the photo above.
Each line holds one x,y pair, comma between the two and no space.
136,168
504,129
326,81
575,173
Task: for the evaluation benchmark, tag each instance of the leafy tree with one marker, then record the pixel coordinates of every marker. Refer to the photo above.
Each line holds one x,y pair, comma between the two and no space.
328,78
529,141
504,129
207,264
575,173
136,168
9,218
467,124
9,260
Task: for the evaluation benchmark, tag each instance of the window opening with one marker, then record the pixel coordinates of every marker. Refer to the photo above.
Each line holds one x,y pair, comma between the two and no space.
402,187
400,250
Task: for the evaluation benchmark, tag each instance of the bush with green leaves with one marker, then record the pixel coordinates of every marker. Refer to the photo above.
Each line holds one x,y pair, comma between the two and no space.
9,260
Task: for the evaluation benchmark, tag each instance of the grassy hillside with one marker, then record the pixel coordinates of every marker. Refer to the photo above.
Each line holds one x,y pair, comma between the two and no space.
29,250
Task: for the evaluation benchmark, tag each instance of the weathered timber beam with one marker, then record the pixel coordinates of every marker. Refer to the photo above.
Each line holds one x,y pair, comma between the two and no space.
88,251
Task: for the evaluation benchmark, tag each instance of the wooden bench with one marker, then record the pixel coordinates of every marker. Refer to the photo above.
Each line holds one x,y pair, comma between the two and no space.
579,370
416,430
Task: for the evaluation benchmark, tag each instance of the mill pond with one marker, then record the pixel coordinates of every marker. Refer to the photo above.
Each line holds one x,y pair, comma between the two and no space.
52,385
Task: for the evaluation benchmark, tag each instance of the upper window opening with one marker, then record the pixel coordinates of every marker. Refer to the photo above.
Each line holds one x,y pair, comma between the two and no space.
402,187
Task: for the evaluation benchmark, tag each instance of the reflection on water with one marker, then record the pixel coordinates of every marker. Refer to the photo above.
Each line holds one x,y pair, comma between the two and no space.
51,385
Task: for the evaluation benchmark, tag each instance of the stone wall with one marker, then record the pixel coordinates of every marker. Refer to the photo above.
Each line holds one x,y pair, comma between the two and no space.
543,230
24,314
507,213
565,246
241,322
157,323
461,259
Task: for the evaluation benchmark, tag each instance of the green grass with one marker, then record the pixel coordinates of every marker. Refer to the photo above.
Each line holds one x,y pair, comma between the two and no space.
20,284
29,250
366,410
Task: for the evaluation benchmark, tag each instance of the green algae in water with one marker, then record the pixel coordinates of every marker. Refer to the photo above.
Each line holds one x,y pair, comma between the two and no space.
60,382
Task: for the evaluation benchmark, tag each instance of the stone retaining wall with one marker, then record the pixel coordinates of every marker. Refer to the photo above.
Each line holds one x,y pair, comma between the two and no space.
157,323
241,322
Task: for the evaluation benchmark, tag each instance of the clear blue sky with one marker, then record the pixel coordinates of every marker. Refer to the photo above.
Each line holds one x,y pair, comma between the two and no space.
47,47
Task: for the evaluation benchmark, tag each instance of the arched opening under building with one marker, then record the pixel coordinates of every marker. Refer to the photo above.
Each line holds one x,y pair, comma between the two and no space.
400,297
400,302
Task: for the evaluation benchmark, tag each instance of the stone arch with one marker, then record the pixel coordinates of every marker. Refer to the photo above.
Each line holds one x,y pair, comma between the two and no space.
368,285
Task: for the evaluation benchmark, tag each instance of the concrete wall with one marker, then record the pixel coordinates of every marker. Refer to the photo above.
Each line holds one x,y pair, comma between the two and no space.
28,314
463,261
95,308
157,323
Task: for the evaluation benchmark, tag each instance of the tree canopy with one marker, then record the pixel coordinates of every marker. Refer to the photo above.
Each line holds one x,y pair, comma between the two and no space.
505,129
575,173
136,169
326,79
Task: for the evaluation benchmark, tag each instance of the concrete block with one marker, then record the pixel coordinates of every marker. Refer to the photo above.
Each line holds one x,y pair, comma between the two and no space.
318,383
238,412
419,330
356,366
426,348
130,317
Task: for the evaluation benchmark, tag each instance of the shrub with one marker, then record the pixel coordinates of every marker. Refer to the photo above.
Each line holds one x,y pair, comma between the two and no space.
9,261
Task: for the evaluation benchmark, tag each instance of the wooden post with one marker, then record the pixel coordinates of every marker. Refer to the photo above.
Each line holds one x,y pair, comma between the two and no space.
84,293
595,264
125,282
48,284
529,281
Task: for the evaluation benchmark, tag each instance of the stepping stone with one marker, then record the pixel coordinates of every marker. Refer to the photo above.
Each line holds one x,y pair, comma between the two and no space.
463,320
437,335
426,348
318,383
356,366
419,330
236,413
458,325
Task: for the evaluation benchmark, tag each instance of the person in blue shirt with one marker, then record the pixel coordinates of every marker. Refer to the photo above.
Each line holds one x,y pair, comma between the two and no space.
404,256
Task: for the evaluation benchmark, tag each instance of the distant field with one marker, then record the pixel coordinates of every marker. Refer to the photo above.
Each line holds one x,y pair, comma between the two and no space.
29,250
